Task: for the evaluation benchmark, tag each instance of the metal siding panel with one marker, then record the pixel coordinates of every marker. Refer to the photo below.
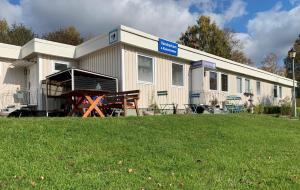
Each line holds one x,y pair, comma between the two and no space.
102,62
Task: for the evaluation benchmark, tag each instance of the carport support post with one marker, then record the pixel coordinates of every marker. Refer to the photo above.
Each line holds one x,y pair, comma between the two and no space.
47,98
72,85
72,79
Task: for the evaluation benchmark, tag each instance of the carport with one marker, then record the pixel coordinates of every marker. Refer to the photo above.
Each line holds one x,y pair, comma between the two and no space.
69,80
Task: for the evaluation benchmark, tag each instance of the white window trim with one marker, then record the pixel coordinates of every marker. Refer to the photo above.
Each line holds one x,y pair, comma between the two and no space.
221,82
249,84
277,90
217,81
242,87
60,62
259,88
153,68
280,95
183,69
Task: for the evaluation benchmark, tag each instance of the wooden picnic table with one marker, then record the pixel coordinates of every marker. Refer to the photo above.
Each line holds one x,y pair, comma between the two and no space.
77,97
100,101
122,100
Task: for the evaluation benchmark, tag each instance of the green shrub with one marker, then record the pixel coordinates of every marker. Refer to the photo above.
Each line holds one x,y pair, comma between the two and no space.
286,109
259,109
272,110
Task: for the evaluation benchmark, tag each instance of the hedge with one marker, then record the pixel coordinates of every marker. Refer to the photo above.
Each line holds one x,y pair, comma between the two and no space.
283,110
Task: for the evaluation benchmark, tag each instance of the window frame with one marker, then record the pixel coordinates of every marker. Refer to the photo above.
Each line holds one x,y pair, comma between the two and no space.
241,85
216,80
153,69
227,82
183,81
249,89
275,85
258,94
59,62
280,91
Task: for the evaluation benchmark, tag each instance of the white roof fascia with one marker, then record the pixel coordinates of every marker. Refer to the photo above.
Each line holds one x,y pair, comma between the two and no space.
48,47
27,49
9,51
91,45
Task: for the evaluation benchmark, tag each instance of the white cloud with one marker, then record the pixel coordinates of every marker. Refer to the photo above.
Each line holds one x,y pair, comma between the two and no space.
294,2
12,13
236,10
166,18
271,31
205,5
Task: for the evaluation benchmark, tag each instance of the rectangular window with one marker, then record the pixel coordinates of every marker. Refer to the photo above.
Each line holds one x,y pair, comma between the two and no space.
145,69
247,85
224,82
257,88
177,74
280,92
213,80
239,85
60,66
275,91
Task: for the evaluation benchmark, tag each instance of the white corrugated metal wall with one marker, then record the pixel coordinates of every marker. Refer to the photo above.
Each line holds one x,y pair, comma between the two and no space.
105,61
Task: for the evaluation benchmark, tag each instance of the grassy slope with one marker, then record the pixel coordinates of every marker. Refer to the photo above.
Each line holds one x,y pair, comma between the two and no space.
167,152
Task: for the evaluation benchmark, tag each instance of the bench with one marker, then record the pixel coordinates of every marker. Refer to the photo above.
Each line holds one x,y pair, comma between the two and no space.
235,108
122,100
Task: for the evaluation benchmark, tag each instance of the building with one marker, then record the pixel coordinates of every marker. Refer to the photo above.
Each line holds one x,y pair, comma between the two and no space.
165,72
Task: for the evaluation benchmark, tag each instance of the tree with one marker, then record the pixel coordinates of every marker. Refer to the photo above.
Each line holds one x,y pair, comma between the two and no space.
16,34
206,36
270,64
288,62
19,34
68,35
237,47
4,28
240,57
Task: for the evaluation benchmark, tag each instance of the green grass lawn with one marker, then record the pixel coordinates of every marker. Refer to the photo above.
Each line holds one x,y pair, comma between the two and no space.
159,152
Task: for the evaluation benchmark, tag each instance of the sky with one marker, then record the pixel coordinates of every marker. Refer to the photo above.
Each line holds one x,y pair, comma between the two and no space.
263,26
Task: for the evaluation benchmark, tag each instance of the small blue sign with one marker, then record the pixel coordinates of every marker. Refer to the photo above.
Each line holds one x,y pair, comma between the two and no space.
167,47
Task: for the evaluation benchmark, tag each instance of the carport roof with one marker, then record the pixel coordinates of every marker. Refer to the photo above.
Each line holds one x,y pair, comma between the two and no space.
67,74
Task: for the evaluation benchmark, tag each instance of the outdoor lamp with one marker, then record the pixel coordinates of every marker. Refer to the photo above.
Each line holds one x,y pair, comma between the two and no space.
292,55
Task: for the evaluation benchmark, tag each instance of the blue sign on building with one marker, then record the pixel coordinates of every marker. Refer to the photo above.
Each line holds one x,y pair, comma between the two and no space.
167,47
